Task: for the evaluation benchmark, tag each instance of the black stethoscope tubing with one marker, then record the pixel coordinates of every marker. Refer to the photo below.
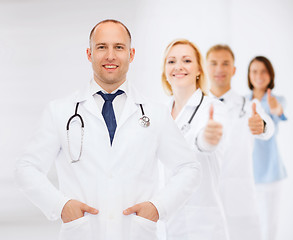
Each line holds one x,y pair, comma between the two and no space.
242,111
144,122
186,126
195,110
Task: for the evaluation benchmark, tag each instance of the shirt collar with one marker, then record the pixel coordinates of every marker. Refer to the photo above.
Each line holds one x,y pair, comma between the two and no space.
94,88
226,95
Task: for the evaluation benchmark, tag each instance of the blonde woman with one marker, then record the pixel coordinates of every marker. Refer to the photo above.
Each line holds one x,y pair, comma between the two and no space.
197,116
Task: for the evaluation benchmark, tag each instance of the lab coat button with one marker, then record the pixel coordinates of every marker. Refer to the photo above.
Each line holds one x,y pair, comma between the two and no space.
110,217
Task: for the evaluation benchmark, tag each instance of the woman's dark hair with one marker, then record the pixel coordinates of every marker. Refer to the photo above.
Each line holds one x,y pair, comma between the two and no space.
269,68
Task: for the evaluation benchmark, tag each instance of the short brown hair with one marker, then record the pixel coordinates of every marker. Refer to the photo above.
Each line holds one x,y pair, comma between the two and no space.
220,47
200,82
269,68
109,20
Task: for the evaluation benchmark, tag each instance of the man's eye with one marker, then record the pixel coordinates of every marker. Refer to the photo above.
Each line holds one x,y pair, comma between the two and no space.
101,47
119,47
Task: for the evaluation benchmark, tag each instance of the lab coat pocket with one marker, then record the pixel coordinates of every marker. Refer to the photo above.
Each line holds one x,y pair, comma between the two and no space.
143,229
76,229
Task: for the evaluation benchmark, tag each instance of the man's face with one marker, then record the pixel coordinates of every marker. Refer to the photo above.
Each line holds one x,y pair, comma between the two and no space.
110,53
220,66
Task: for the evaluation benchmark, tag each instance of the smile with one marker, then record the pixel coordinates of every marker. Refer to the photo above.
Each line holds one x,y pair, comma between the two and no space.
259,81
180,75
110,66
220,76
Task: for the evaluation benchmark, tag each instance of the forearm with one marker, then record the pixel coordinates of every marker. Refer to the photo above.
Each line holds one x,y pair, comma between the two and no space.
38,189
33,166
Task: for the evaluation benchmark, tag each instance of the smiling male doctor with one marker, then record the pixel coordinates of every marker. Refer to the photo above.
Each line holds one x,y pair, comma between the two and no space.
246,120
112,191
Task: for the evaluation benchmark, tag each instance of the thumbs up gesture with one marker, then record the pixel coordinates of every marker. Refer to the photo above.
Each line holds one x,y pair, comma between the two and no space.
255,122
275,106
213,130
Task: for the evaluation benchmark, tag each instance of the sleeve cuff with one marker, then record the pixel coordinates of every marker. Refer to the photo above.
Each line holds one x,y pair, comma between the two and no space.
202,145
160,209
56,213
283,117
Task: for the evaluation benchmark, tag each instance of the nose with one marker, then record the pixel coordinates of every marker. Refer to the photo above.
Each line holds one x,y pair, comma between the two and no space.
178,66
110,55
219,68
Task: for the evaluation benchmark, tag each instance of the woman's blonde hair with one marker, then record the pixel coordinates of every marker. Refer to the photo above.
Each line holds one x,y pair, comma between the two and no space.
200,82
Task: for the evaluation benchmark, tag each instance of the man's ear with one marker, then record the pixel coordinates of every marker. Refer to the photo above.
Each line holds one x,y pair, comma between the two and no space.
234,70
89,54
132,53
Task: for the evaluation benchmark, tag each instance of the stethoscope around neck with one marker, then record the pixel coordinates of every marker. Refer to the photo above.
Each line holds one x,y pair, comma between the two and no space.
242,111
185,128
144,121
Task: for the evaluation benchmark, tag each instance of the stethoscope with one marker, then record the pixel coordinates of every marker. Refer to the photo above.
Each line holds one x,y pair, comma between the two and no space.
242,111
185,128
144,121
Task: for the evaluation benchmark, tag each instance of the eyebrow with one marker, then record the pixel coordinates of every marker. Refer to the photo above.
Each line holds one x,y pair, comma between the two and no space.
182,56
225,61
114,44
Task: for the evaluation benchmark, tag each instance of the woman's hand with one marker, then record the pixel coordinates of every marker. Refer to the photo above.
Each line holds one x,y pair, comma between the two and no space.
275,106
213,131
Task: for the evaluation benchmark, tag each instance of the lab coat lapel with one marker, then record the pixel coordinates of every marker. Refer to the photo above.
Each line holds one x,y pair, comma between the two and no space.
88,102
131,106
91,106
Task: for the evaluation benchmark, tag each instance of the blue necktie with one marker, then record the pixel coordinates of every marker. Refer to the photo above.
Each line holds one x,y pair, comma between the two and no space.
108,112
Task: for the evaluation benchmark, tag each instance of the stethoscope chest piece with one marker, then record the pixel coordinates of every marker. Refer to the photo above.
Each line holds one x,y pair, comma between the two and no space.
185,128
144,121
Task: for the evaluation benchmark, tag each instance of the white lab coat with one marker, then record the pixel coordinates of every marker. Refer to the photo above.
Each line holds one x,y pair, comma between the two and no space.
237,188
110,179
202,217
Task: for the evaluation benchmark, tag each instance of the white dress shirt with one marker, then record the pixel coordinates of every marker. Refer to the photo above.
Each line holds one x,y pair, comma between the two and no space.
118,102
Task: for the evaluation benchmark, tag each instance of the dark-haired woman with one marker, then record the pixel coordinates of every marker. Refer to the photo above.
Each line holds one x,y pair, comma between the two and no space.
268,167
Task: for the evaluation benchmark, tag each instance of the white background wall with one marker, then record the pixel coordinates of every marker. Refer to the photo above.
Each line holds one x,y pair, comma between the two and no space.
42,57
